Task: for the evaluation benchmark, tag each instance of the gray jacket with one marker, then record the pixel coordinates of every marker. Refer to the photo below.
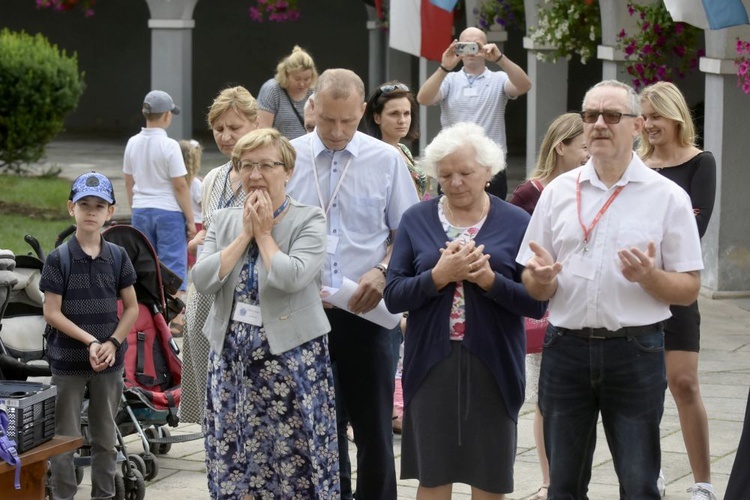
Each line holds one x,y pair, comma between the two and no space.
289,293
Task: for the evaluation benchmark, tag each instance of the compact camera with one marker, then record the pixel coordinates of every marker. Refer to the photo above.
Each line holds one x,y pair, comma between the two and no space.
467,48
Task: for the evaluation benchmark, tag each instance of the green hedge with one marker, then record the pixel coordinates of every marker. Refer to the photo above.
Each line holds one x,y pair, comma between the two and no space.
39,86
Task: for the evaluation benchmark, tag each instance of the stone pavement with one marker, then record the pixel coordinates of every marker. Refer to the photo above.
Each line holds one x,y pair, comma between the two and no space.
724,369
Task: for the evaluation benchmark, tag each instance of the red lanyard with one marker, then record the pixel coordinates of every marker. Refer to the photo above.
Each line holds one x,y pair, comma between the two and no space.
587,231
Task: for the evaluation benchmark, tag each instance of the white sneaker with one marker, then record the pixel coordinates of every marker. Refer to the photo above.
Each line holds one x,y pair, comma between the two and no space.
701,493
661,484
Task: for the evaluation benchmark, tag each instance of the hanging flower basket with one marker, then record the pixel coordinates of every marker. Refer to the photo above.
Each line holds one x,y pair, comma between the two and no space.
502,14
742,62
568,27
659,49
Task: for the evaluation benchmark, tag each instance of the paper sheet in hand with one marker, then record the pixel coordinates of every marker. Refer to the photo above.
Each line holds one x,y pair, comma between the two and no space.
340,297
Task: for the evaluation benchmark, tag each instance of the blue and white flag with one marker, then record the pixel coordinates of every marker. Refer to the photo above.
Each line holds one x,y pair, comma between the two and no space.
709,14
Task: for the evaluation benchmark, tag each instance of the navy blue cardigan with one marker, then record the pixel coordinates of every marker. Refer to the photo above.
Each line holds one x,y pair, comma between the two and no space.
494,319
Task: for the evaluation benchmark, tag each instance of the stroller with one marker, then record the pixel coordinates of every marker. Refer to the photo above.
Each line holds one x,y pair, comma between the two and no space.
22,353
153,370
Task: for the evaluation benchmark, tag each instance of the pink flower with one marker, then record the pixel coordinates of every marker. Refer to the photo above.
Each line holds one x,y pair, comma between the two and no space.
256,15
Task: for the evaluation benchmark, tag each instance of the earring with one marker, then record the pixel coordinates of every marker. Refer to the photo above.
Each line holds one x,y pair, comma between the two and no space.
487,185
286,182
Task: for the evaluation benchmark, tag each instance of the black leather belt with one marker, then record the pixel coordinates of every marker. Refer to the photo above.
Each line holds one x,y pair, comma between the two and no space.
603,333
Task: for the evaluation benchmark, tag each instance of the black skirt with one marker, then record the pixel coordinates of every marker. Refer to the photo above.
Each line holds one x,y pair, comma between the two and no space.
456,428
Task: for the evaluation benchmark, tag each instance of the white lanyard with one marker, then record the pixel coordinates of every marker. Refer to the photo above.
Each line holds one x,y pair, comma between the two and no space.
317,180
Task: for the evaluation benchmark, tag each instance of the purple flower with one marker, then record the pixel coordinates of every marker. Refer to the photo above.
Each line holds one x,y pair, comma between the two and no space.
256,15
679,50
657,29
679,28
746,87
647,49
622,33
639,68
646,26
631,10
630,49
661,71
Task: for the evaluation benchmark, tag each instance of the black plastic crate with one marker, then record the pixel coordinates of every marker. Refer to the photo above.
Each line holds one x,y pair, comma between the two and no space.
30,407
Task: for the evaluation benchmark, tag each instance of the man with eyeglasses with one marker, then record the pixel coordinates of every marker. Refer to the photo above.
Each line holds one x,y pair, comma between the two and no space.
364,187
611,245
476,94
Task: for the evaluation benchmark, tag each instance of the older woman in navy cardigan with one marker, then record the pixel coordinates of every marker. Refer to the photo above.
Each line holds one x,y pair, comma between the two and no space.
453,269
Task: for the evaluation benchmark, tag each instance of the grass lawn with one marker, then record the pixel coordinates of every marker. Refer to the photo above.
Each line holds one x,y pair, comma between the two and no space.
35,206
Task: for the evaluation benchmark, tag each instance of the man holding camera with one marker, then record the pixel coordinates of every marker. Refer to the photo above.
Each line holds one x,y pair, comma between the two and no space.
476,94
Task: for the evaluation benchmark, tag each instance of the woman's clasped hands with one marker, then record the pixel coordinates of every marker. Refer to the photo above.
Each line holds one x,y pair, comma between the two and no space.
463,261
257,218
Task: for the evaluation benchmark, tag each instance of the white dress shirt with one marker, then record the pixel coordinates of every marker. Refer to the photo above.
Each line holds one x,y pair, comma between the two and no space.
592,291
376,190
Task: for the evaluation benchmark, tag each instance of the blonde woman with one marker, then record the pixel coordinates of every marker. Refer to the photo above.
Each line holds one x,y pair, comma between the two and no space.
281,100
668,146
233,114
563,149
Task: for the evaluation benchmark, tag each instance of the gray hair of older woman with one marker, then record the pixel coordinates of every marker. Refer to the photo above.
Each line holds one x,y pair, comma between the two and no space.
262,138
487,153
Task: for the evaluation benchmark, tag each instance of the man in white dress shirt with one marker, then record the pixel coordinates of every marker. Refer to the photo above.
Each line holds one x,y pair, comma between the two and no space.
611,245
364,187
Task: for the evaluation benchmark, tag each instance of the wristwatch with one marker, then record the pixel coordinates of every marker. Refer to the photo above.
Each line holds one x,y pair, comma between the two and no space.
383,268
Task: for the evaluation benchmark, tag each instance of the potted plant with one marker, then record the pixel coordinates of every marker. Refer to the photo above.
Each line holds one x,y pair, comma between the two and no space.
659,49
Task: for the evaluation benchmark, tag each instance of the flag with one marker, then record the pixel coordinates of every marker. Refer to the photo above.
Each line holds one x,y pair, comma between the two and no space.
423,28
709,14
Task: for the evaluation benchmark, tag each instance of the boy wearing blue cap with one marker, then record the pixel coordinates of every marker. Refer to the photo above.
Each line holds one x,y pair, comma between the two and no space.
158,192
86,341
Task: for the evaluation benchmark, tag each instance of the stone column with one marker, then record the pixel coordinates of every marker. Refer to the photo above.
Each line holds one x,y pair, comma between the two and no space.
548,96
615,17
376,51
726,244
171,26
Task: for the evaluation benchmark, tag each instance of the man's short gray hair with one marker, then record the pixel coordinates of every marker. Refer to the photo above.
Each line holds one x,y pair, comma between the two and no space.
635,101
487,152
340,83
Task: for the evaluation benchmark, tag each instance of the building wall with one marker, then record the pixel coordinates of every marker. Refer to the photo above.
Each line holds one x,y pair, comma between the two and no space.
114,51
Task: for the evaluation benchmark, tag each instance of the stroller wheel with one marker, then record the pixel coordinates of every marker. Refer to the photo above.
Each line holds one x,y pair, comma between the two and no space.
136,463
152,467
119,487
164,447
151,434
134,486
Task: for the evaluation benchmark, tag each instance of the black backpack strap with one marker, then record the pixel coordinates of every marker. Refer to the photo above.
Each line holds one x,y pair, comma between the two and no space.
65,258
116,251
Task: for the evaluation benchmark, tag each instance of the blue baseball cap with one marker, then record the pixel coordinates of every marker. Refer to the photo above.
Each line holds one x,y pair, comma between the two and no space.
92,184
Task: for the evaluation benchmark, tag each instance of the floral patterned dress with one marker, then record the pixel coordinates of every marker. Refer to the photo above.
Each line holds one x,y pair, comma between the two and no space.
270,421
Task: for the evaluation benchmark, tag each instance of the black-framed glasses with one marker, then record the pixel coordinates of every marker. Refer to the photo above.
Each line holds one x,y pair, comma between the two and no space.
387,89
264,167
610,117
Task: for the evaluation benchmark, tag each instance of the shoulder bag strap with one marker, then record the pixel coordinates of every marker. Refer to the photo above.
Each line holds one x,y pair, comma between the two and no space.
299,117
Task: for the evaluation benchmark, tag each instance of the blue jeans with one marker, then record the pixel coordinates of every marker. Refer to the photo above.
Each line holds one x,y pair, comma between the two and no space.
166,231
624,379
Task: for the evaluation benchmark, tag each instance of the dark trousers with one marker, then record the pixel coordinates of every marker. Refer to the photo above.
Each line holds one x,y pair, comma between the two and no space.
624,379
361,351
739,480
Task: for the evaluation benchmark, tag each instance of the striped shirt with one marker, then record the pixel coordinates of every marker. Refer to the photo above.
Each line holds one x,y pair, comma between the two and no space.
478,99
271,98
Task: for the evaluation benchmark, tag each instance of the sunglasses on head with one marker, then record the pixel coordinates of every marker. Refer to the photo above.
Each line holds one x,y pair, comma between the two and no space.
610,117
387,89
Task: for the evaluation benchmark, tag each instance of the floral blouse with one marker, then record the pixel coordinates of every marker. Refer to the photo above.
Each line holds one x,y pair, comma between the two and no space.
457,319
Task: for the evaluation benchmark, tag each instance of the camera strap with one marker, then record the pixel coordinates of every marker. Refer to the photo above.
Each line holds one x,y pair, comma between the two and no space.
8,450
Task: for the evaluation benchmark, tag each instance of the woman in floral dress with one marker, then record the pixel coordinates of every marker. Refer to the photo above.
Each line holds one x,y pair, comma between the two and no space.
270,421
